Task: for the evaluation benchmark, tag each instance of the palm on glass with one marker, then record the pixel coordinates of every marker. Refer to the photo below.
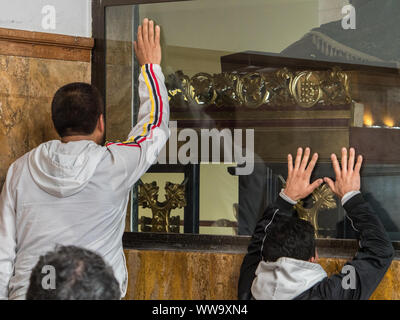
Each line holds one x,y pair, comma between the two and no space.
348,176
298,184
147,47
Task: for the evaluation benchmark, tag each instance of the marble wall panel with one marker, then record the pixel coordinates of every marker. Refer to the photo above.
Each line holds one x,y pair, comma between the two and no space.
171,275
27,86
46,76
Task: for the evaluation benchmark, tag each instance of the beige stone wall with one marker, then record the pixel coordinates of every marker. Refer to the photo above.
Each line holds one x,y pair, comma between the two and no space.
174,275
27,86
33,65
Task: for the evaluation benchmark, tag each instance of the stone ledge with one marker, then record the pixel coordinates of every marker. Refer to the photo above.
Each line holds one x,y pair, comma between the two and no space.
328,248
45,45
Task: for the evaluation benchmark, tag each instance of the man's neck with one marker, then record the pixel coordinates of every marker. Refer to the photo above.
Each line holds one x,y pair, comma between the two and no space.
78,138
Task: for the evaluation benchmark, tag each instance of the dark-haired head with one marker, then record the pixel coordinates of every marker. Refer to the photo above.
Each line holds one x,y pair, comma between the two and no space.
77,111
289,237
78,274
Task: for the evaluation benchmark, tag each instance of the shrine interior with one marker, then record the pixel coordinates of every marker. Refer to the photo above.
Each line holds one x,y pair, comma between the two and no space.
248,83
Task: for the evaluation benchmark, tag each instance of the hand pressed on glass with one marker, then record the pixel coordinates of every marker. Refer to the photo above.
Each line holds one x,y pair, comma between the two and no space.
347,177
298,184
147,47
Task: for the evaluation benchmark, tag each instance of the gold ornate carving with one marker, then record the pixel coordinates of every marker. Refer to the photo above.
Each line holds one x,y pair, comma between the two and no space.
162,221
322,198
252,90
306,89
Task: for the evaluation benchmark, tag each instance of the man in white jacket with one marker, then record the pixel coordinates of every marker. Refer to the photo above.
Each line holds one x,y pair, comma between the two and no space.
75,191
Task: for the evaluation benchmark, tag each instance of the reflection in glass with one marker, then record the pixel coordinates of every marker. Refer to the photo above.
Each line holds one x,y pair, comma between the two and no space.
277,74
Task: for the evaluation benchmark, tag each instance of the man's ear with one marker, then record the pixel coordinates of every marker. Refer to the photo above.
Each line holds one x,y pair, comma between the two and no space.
100,123
315,258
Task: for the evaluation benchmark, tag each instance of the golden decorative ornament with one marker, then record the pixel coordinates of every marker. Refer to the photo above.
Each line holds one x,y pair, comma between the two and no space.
322,199
253,90
162,221
305,89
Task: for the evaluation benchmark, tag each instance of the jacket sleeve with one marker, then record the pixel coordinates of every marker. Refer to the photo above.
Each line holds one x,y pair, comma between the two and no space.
7,235
151,132
254,251
371,261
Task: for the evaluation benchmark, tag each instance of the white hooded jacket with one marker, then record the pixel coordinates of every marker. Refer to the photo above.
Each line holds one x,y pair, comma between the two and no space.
285,279
76,193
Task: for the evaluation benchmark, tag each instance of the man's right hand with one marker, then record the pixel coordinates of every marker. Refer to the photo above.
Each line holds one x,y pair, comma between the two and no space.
298,184
347,177
147,47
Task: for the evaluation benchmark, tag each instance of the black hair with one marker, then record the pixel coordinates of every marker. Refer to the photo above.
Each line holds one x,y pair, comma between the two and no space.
289,237
79,274
76,108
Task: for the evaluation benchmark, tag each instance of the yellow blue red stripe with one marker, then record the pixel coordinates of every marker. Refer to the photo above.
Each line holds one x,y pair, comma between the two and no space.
155,112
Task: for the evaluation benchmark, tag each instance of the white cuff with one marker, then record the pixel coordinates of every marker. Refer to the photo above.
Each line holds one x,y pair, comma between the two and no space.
286,198
348,196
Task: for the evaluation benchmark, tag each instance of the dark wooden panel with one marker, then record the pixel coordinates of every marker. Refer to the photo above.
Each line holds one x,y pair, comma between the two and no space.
266,123
377,145
257,60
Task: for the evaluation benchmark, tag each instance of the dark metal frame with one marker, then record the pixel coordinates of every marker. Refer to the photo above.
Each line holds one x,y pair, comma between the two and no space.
191,215
192,174
98,31
191,221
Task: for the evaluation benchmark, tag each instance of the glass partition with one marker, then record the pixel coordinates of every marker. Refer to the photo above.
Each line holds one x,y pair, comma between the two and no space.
248,83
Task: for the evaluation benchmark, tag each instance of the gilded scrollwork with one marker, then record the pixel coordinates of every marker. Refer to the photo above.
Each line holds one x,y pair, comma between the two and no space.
162,221
322,199
253,90
306,88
